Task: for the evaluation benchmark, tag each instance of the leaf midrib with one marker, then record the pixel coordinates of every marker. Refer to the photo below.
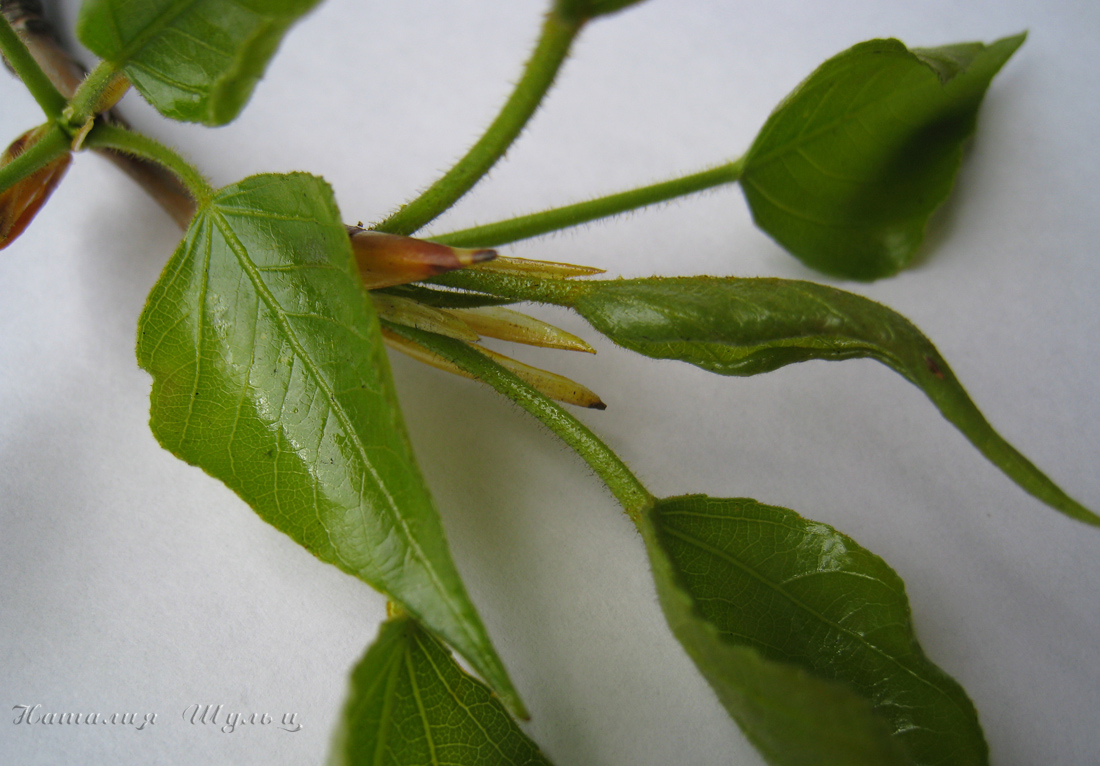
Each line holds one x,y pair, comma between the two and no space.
707,548
849,115
249,268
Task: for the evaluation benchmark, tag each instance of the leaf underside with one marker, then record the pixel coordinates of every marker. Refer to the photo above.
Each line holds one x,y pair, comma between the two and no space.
410,703
847,170
269,373
749,326
798,592
194,60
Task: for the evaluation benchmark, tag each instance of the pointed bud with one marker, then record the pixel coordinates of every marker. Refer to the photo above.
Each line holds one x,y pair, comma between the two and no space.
20,202
417,315
552,385
549,383
387,259
517,327
525,267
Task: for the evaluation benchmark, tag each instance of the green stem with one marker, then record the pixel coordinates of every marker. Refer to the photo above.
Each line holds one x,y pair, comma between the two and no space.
630,492
86,99
21,60
538,76
526,226
53,144
112,137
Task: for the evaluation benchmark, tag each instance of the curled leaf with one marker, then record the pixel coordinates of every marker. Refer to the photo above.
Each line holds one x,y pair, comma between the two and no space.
847,170
21,201
748,326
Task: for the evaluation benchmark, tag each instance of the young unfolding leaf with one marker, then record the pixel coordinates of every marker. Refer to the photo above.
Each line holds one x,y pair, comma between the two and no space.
410,702
270,374
194,60
735,573
847,170
748,326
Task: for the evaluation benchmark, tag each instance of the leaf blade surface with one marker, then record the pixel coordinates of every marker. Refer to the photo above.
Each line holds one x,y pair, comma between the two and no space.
756,592
194,60
410,702
269,373
848,169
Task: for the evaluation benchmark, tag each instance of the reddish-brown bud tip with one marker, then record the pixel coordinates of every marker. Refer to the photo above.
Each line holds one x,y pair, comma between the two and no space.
21,201
388,259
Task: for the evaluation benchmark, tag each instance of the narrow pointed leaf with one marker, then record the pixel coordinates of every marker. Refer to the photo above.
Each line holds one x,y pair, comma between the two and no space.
748,326
410,703
747,586
847,170
194,60
270,374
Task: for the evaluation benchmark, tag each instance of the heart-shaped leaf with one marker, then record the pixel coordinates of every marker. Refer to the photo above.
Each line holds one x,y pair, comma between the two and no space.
270,374
799,592
748,326
194,60
410,702
847,170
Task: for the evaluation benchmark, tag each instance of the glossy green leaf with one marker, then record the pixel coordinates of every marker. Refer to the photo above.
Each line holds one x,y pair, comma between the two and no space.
847,170
269,373
735,573
194,60
749,326
410,703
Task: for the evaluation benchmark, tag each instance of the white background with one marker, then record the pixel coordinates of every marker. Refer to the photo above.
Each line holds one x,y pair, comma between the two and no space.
134,583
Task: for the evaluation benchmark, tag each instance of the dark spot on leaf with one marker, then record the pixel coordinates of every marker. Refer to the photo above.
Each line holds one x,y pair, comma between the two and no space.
933,367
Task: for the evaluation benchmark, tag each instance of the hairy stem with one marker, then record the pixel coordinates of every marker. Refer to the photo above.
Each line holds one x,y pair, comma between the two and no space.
624,485
28,70
559,292
538,76
105,136
85,101
526,226
53,144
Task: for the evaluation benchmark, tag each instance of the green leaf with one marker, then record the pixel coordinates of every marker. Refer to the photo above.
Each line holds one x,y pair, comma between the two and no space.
411,703
753,591
792,716
748,326
194,60
269,373
847,170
